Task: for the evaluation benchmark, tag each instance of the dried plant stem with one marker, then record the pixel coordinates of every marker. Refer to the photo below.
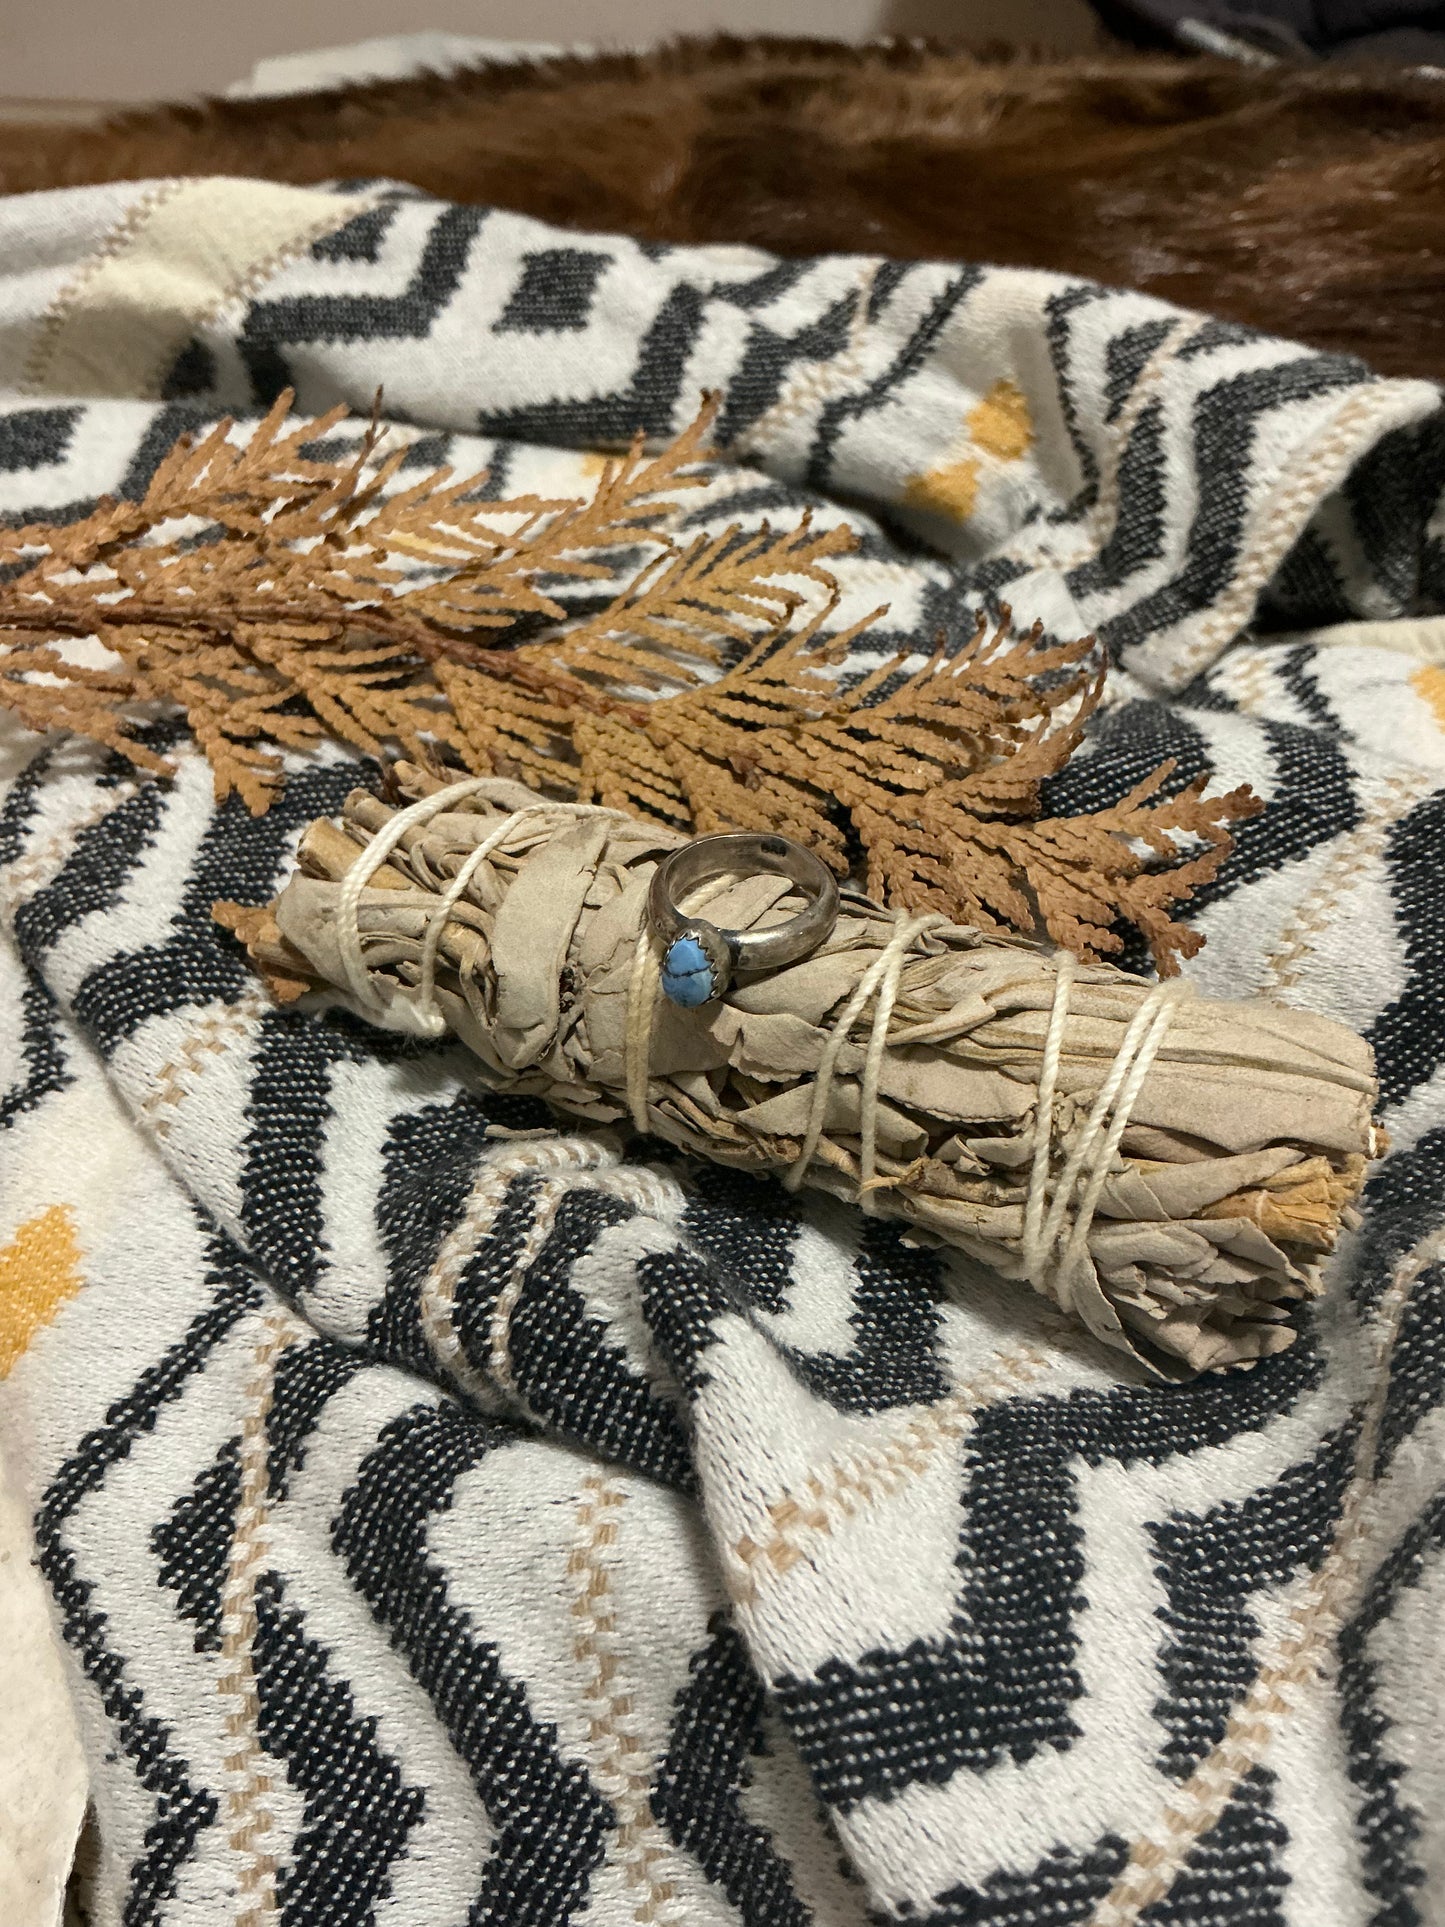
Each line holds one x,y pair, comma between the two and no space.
276,598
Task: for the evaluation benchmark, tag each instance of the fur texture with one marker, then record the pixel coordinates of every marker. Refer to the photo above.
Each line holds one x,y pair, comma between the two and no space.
1309,201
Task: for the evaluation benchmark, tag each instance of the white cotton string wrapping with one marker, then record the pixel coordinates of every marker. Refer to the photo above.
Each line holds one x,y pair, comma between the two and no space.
881,979
642,992
1055,1231
424,1016
1044,1107
892,961
1261,1113
1053,1242
1096,1166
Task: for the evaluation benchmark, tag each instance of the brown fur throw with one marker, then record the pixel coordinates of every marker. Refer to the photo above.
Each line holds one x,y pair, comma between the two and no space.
1308,201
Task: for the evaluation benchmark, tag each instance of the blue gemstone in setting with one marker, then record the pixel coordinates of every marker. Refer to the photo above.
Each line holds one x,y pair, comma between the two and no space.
686,973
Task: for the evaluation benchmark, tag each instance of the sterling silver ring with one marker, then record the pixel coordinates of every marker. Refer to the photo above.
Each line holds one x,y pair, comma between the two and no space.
700,960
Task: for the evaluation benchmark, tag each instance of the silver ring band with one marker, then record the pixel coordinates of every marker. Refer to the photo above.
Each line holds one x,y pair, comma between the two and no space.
700,960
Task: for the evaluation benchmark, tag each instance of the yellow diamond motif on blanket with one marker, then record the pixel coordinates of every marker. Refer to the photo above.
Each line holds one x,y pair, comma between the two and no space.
950,490
1429,682
999,426
39,1271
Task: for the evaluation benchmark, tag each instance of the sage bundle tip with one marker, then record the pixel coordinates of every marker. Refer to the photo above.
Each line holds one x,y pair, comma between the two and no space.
1169,1170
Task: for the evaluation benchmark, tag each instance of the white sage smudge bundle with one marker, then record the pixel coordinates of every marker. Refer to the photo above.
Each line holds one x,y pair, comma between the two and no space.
1169,1170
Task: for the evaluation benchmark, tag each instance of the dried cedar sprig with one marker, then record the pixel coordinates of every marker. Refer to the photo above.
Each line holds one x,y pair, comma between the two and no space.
936,773
276,597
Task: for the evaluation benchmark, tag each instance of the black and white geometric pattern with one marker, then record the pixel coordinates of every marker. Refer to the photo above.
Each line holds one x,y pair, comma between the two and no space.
455,1516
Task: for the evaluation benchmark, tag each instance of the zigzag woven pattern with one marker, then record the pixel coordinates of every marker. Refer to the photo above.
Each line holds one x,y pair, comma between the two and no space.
454,1517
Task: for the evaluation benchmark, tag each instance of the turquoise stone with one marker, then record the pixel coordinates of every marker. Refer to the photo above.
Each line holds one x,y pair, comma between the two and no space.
686,973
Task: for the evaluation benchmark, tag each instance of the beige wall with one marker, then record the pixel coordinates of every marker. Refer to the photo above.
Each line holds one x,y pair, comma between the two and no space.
150,49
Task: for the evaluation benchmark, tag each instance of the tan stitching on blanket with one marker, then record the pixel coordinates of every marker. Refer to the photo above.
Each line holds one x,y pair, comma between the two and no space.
1264,547
21,879
1315,913
249,1819
1250,682
253,277
546,1201
816,381
179,260
260,271
1289,1667
53,321
495,1175
27,874
619,1761
212,1036
647,1191
642,1189
838,1490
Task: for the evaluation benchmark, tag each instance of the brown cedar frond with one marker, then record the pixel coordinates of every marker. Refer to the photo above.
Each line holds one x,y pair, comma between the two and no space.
681,613
276,597
936,773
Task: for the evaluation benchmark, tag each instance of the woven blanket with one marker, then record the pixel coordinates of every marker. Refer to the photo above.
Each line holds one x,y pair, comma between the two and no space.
450,1515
